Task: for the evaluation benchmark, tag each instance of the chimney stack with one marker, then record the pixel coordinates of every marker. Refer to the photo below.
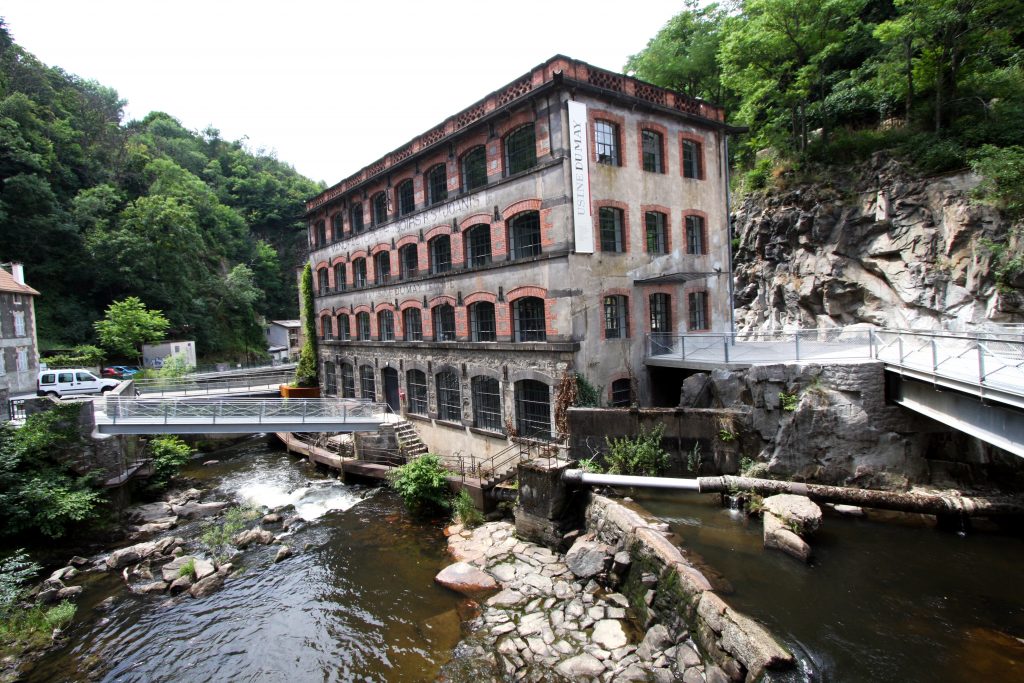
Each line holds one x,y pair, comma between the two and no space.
18,273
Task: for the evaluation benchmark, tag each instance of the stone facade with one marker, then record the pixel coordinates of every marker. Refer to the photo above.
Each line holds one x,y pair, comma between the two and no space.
459,277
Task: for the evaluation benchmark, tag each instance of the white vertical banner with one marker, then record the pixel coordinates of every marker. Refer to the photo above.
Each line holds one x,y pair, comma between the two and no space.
579,152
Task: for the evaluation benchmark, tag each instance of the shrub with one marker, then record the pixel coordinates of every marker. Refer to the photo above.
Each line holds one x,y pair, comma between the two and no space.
14,572
169,454
422,484
307,368
587,395
466,511
788,401
1002,177
590,465
80,356
640,455
216,537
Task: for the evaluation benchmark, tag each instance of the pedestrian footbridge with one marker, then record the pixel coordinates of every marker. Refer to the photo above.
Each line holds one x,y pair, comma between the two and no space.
233,415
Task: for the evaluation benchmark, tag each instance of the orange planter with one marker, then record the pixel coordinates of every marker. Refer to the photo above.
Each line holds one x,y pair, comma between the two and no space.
299,392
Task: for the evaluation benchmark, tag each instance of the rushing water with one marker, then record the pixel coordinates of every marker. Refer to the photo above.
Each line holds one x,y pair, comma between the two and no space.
880,601
359,603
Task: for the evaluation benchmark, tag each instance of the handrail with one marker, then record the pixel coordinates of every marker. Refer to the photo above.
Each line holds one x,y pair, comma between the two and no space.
121,410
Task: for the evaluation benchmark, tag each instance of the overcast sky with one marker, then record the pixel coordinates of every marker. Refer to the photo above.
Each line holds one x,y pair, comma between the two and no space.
329,87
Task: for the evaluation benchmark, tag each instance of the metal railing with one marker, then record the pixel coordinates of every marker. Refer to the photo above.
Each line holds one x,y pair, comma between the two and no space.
763,347
198,385
121,410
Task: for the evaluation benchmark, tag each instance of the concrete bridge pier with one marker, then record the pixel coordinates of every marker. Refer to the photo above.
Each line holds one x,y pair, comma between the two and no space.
548,509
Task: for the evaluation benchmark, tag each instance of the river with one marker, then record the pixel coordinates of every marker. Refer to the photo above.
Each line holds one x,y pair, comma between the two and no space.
359,603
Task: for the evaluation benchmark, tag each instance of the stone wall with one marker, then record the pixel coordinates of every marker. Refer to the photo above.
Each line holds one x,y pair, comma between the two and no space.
662,587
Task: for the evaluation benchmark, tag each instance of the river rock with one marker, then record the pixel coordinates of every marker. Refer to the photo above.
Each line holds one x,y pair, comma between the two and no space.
609,635
205,586
283,553
464,578
152,528
181,584
800,513
777,536
172,570
203,568
104,605
655,641
193,510
63,574
150,512
246,538
79,562
182,497
587,558
130,555
154,587
272,518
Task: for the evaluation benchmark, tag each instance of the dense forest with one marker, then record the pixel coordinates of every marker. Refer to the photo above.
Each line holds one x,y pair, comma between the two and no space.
98,209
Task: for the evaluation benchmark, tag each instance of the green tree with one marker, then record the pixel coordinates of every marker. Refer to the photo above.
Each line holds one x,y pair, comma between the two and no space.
306,372
423,485
128,324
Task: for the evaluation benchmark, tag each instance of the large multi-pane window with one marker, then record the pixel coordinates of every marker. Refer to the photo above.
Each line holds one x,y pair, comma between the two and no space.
344,332
437,184
654,223
412,324
652,149
692,152
408,261
386,325
524,235
382,267
330,379
321,233
486,403
606,141
449,398
481,322
610,220
338,225
326,327
440,249
616,317
661,313
520,150
622,393
444,322
477,241
323,281
406,197
363,326
359,272
697,307
416,386
339,277
695,242
356,219
528,321
533,408
367,386
348,381
379,205
474,168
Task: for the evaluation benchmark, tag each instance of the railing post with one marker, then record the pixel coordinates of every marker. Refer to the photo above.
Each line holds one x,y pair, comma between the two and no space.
871,343
725,347
981,365
165,413
682,347
899,346
935,356
305,404
263,405
796,343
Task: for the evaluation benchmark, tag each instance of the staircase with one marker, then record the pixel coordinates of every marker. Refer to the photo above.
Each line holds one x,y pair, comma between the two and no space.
409,443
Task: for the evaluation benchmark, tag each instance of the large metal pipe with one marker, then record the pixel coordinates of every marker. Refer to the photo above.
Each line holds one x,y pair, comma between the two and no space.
925,503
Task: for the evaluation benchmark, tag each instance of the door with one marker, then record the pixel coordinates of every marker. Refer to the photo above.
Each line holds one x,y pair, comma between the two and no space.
86,383
390,377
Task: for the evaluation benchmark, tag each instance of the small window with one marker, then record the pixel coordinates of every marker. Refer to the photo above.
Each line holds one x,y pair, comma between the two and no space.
344,332
363,326
616,317
622,393
697,305
661,314
356,221
695,242
64,377
416,385
449,398
406,198
606,140
386,325
437,184
486,403
348,381
367,388
612,232
382,267
474,169
339,277
21,360
338,225
380,208
692,159
48,378
321,233
533,408
408,261
477,241
323,281
481,322
330,379
412,324
359,273
529,323
326,327
440,249
520,150
652,143
524,235
444,322
654,222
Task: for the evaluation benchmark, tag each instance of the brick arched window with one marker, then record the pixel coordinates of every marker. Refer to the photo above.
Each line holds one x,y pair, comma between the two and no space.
437,184
520,150
385,325
382,267
412,324
444,322
416,389
524,235
533,408
449,396
477,243
406,197
356,219
440,249
473,169
528,320
482,326
486,403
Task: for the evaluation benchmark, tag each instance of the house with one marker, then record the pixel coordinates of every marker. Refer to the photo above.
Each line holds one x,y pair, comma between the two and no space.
19,350
559,225
154,355
284,339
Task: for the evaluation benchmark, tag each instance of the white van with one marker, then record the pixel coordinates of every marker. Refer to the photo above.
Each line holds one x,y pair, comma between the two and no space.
71,382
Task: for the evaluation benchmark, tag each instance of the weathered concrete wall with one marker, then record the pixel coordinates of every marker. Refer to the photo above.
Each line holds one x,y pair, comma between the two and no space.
663,587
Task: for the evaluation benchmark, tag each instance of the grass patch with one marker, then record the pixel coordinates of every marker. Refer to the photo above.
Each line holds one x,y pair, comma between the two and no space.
25,630
465,510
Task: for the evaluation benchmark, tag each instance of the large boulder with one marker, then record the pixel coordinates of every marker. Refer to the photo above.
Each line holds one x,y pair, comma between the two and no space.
172,570
609,635
656,641
587,558
464,578
778,536
150,512
195,510
252,536
581,667
205,586
132,554
799,513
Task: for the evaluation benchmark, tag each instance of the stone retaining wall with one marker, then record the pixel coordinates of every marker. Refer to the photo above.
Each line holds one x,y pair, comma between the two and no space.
663,587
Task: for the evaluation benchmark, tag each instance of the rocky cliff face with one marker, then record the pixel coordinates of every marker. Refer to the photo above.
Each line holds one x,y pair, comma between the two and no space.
875,245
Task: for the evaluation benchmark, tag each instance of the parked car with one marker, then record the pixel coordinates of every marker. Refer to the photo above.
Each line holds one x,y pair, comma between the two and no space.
71,382
120,371
112,372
